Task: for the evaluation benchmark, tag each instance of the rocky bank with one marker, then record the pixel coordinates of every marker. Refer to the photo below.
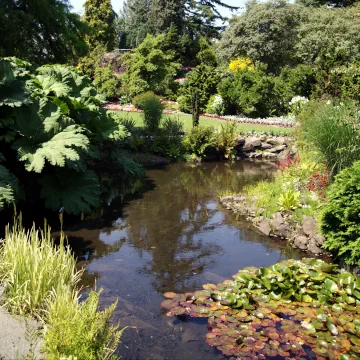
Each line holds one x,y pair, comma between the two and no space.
305,236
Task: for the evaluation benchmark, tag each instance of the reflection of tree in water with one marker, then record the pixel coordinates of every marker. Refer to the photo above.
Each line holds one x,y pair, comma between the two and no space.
170,223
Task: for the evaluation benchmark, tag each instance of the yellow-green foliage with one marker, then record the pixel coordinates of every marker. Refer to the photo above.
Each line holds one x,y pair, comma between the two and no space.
31,267
40,279
287,191
80,329
241,63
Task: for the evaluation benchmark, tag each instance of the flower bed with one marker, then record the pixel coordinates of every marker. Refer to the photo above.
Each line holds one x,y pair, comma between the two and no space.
281,121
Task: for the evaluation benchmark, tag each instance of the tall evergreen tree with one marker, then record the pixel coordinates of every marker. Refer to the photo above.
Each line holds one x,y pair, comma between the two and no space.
41,31
193,18
100,17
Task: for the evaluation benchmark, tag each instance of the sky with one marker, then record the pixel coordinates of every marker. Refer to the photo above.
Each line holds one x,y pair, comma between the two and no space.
117,5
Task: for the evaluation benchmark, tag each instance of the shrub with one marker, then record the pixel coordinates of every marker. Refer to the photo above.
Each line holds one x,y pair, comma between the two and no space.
340,216
152,107
297,81
297,104
107,82
225,139
173,127
216,105
241,63
332,131
78,329
199,139
31,267
252,93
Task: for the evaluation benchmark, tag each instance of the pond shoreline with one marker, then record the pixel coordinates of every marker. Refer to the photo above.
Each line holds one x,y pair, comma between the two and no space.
305,236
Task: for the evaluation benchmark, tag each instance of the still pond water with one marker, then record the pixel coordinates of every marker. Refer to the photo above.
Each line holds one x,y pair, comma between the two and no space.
175,236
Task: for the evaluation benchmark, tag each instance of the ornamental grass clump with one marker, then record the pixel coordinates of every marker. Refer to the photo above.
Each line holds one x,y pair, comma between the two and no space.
32,267
333,132
40,279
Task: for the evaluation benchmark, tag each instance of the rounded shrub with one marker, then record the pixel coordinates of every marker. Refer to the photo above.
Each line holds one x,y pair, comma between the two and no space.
340,217
151,104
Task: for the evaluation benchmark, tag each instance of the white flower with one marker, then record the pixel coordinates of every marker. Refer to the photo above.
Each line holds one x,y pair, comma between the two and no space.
298,99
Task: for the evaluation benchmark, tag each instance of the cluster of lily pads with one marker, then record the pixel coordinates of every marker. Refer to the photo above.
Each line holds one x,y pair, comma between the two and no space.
294,309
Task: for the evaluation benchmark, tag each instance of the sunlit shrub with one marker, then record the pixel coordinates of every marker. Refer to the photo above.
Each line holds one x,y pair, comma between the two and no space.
340,216
289,200
199,139
241,63
225,138
152,107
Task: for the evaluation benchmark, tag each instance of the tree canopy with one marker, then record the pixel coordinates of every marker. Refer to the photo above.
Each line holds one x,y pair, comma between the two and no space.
41,31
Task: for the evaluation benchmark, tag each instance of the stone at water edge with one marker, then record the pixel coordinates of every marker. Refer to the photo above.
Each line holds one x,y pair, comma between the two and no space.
312,247
265,227
277,141
269,156
266,146
251,143
277,149
309,226
301,242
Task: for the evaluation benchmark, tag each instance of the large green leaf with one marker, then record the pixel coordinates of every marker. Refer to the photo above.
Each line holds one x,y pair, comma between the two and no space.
8,186
12,86
75,191
59,148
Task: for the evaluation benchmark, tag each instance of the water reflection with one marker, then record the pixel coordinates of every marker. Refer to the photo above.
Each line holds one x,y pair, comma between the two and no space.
172,237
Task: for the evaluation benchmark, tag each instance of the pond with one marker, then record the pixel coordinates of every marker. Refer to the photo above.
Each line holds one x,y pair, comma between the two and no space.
174,236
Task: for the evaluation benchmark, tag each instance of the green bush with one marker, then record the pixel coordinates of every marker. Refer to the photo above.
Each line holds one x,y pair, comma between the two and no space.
332,132
173,127
297,81
152,107
225,138
252,93
199,139
340,216
107,83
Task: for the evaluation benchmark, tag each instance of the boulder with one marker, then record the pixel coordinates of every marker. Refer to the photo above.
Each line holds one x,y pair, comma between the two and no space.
240,142
309,226
312,247
319,240
284,155
277,149
265,227
255,155
280,140
266,146
278,226
301,242
252,143
263,138
269,156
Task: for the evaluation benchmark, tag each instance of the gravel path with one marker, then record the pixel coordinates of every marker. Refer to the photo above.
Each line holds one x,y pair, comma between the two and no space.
16,335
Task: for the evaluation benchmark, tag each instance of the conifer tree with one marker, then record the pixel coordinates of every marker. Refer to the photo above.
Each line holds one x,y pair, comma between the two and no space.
100,17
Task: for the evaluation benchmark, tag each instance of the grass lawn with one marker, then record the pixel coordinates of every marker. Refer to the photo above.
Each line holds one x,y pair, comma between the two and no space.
187,120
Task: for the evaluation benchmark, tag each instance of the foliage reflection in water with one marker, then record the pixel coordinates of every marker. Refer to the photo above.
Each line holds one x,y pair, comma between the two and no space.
174,237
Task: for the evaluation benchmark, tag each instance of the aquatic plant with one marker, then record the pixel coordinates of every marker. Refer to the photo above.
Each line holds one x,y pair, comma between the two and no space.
292,309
